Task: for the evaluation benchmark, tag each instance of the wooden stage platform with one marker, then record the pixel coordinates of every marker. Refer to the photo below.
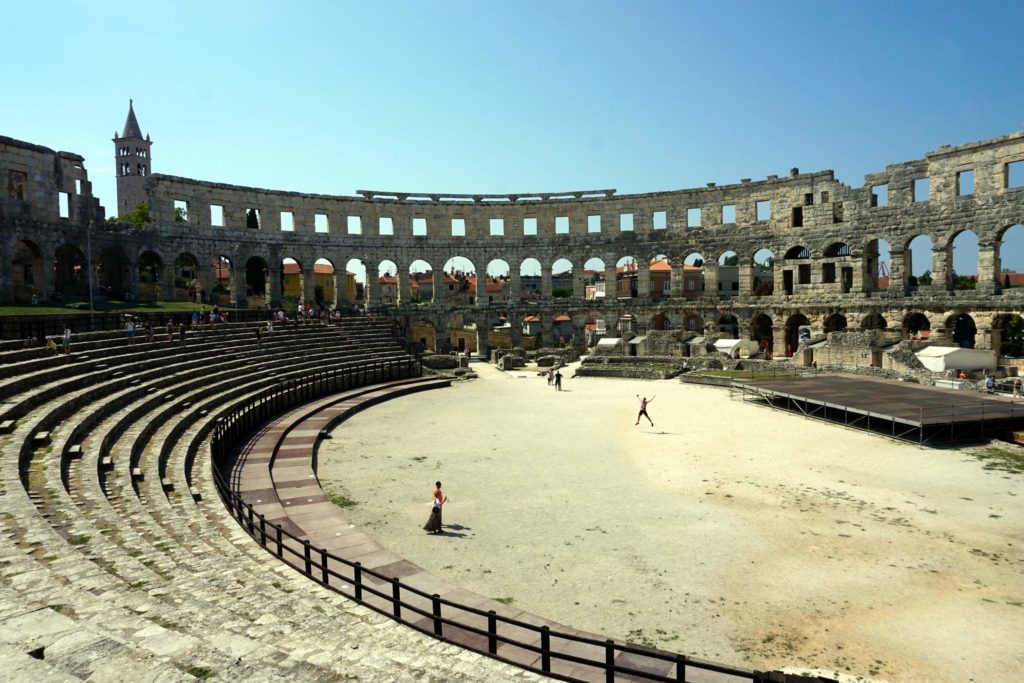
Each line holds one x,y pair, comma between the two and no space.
903,410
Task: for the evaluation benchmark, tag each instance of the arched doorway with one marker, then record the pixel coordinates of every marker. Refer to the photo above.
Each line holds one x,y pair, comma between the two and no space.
27,273
1010,330
186,282
112,272
150,270
729,326
326,291
916,326
964,330
835,323
659,322
763,283
257,279
793,335
761,332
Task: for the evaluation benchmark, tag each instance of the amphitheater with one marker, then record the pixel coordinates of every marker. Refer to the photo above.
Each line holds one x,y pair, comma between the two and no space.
161,516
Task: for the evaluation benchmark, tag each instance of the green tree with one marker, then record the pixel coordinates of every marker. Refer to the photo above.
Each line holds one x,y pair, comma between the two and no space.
137,217
925,278
179,215
733,260
963,281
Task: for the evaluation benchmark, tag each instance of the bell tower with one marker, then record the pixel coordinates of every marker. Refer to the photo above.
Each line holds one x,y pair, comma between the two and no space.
132,161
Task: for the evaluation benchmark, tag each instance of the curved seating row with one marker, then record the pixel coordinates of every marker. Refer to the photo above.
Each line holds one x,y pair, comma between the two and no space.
115,554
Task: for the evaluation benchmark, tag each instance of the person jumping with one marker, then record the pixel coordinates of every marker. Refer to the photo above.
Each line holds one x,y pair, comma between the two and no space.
643,410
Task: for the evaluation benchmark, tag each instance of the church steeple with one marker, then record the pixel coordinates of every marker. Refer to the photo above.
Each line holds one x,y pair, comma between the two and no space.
132,156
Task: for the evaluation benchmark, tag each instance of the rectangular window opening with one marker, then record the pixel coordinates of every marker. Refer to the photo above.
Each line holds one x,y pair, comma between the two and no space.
529,226
693,218
419,227
385,226
354,225
922,189
561,225
252,219
965,183
879,195
660,220
809,199
217,215
728,214
497,226
764,210
321,223
458,227
838,212
593,224
180,211
78,186
798,216
64,204
287,221
824,197
1015,174
625,222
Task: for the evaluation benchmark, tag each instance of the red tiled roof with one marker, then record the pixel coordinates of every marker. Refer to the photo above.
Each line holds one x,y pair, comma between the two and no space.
562,318
318,268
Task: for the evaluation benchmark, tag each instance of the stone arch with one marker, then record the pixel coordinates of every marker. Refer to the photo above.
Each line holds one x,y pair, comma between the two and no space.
837,250
963,330
564,282
70,274
27,273
729,325
497,286
1008,335
836,266
594,278
693,275
916,325
186,278
793,336
836,322
530,279
112,274
693,322
458,278
293,283
873,321
150,270
387,282
660,322
918,261
1009,257
762,332
796,269
961,261
660,277
327,290
763,280
626,278
563,330
421,283
424,335
728,273
877,265
257,278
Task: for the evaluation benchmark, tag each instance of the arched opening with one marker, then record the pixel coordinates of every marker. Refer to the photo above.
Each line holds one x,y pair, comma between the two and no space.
461,334
1010,257
659,322
70,276
563,330
693,276
877,261
424,337
421,283
497,287
593,277
837,267
873,321
729,326
916,326
964,330
150,268
729,274
963,258
326,290
293,285
593,330
529,280
563,280
918,262
693,322
660,278
763,283
1010,330
626,278
761,332
257,280
797,330
387,279
112,273
355,283
797,268
27,273
223,283
459,280
835,323
186,279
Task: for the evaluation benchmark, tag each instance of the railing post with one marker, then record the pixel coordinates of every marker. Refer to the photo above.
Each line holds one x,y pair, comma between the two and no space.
681,668
326,577
357,580
492,632
436,599
252,526
396,599
545,649
263,530
609,661
307,557
280,541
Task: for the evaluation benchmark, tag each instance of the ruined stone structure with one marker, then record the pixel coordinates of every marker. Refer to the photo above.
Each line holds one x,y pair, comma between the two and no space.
824,239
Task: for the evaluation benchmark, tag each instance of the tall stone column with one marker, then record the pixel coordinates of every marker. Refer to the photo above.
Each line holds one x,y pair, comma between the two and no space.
942,269
483,341
46,284
481,287
274,278
746,279
204,276
643,281
676,278
440,340
547,332
778,341
371,291
897,274
308,285
516,330
989,281
711,279
611,283
515,286
7,277
402,296
238,285
437,282
778,280
579,289
166,285
545,282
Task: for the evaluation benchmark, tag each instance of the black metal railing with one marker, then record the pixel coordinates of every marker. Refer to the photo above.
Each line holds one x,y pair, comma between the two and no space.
425,612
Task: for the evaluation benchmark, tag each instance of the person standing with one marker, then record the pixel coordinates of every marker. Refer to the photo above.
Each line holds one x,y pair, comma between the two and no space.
558,380
129,328
1018,385
551,376
433,524
66,339
643,410
259,338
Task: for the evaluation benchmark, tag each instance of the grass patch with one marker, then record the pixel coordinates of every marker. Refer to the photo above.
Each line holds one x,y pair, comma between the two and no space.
341,500
82,308
78,540
999,458
504,601
201,672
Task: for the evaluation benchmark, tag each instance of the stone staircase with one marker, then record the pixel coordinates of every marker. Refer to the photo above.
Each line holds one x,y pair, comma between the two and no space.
117,556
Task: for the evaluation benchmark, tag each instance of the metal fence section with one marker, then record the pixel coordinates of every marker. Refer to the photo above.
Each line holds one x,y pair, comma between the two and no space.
536,648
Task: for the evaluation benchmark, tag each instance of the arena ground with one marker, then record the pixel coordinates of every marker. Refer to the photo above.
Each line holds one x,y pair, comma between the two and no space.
729,531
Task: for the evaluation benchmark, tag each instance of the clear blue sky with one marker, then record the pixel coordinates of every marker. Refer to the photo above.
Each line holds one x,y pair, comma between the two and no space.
522,96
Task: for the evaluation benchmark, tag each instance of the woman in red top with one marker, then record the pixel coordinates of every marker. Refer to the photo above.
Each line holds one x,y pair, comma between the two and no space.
433,524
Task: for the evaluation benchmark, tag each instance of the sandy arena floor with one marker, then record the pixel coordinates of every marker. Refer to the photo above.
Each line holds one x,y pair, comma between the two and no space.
729,531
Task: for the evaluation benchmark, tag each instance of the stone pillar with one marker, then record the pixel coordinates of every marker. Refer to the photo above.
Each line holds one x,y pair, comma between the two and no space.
579,288
858,277
308,285
897,274
779,279
166,284
746,279
643,281
516,330
547,332
437,282
676,278
611,283
711,279
238,285
274,283
205,280
989,281
778,341
545,282
7,277
942,269
45,285
371,291
514,286
402,296
483,342
481,287
440,340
